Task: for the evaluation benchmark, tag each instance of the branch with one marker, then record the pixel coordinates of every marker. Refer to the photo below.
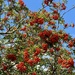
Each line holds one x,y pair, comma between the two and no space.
68,11
2,33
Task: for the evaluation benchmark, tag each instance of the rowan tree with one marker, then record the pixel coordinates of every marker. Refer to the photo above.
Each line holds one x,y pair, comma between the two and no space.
32,43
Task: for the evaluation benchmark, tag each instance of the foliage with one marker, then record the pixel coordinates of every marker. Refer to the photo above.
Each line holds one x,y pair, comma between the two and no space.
35,43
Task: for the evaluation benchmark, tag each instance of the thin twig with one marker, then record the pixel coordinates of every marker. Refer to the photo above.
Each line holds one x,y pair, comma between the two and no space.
68,11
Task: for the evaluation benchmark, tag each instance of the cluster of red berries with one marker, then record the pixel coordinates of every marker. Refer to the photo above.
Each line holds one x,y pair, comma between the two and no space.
66,63
47,1
21,67
48,36
35,59
37,20
21,3
11,57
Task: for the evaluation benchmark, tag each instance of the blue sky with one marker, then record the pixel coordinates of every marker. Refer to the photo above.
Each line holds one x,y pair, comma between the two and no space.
35,5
